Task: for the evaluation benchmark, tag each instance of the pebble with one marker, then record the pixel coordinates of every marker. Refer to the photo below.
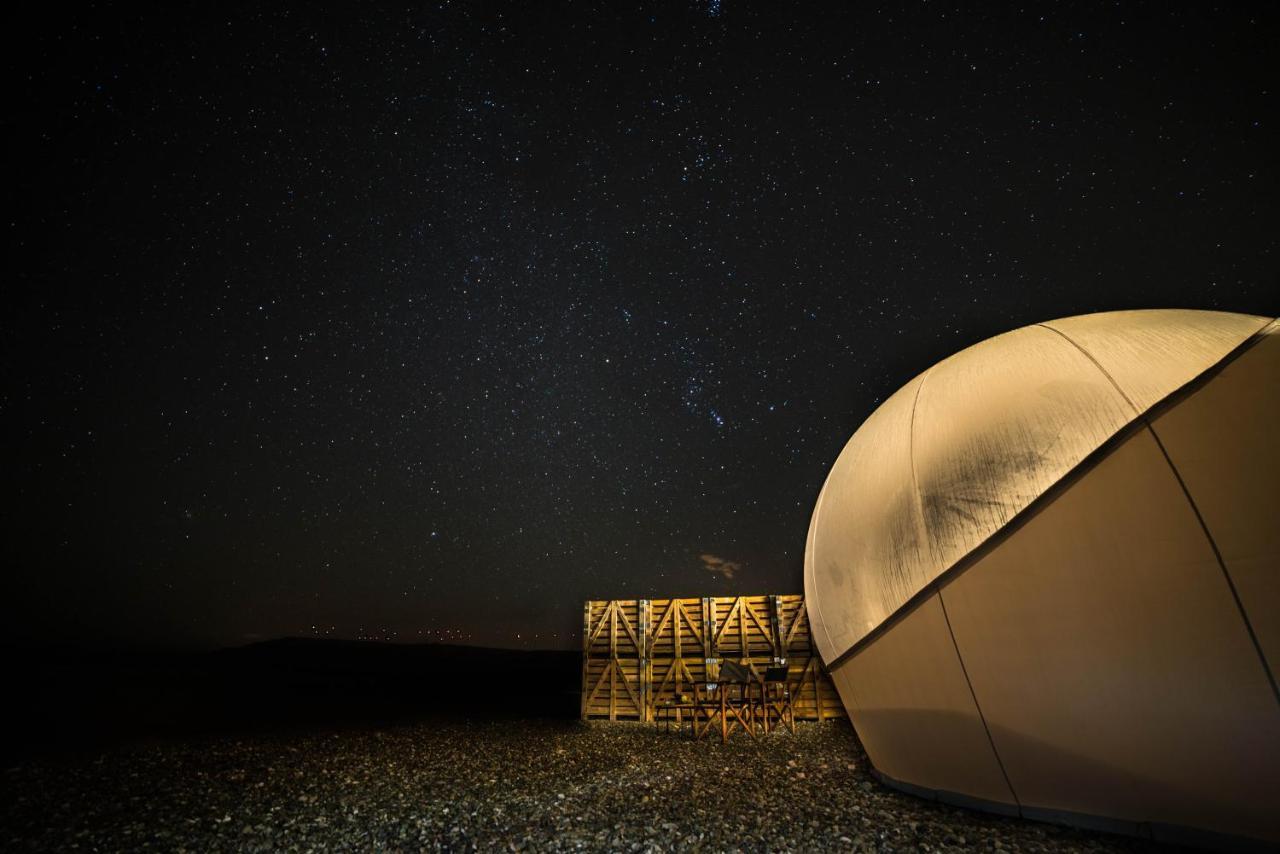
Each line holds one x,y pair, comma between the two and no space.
465,785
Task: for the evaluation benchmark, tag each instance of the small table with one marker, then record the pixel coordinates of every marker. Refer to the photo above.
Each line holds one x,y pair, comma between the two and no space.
666,710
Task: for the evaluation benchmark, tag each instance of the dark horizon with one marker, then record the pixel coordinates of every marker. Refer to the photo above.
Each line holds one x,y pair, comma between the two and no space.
439,323
51,649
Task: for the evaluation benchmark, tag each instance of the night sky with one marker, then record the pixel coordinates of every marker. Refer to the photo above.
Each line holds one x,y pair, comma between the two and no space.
430,323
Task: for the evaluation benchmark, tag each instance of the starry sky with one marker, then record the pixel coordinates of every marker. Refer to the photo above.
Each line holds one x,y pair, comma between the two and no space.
429,323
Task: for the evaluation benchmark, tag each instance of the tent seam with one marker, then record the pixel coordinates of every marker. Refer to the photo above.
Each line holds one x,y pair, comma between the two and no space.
976,705
1136,412
1222,564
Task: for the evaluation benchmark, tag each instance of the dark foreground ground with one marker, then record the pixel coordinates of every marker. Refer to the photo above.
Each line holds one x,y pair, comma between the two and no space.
301,745
457,784
64,700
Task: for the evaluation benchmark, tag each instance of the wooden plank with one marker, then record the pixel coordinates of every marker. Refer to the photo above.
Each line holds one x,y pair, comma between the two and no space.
801,618
726,623
608,609
626,625
626,686
599,683
692,624
664,619
755,618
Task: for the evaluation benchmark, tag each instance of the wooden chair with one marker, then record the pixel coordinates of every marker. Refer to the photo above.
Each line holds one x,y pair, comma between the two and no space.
776,708
726,702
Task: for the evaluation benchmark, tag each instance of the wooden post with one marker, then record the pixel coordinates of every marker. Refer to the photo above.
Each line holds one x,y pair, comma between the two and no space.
679,653
775,635
645,712
613,629
586,651
613,660
817,677
743,651
817,694
710,648
724,718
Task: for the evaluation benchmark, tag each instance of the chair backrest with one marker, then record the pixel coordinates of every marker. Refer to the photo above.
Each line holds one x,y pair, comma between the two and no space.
732,671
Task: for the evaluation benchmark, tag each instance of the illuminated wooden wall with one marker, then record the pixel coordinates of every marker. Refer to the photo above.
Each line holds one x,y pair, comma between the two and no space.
636,652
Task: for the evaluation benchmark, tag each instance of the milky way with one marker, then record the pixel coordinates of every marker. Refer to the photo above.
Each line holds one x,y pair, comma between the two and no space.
431,324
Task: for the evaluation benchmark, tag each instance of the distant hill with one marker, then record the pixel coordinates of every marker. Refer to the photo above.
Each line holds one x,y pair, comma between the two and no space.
74,699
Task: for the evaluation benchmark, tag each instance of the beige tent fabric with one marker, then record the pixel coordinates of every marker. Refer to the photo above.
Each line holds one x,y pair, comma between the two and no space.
926,727
953,456
1224,442
1110,661
1110,658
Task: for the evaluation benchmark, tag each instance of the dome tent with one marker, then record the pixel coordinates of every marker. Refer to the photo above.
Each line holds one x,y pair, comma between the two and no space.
1044,575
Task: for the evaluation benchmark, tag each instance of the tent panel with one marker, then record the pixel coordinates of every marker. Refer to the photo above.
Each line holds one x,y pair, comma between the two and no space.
908,699
1111,663
1224,440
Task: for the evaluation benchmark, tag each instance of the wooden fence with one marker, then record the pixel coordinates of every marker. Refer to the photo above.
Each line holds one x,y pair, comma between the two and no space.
636,652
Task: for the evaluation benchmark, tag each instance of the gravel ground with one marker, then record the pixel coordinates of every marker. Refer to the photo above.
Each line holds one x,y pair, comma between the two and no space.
513,785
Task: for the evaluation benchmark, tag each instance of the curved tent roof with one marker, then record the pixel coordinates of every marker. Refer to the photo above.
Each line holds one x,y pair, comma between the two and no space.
958,452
